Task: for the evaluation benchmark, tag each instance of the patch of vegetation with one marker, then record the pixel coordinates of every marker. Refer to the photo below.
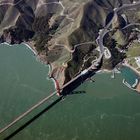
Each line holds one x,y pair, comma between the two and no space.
117,56
138,69
40,41
43,31
75,65
58,54
78,36
133,50
132,62
119,37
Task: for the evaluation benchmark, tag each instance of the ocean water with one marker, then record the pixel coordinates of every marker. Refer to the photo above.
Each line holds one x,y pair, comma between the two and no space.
107,111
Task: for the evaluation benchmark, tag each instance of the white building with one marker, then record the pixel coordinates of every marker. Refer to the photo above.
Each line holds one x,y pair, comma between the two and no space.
138,61
107,53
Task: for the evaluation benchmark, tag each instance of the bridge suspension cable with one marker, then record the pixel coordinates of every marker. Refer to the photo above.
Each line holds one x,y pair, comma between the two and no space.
27,112
35,106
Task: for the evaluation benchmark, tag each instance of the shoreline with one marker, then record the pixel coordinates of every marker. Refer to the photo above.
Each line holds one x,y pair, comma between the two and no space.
125,64
5,43
49,77
30,48
34,51
29,45
137,87
102,71
132,68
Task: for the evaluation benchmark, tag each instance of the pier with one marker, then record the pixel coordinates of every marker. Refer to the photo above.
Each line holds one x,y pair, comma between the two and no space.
128,85
113,74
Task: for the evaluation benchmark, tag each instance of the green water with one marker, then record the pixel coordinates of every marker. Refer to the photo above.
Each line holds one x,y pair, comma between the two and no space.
129,75
108,110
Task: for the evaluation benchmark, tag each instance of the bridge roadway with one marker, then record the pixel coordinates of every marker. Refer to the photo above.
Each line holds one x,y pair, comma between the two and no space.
80,78
65,90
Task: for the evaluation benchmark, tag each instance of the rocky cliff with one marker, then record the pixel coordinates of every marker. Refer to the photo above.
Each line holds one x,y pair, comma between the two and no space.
63,32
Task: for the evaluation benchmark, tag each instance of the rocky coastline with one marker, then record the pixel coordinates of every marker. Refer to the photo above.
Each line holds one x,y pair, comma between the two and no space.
63,33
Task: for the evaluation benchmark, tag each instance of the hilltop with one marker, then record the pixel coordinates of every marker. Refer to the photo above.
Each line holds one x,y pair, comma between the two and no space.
64,32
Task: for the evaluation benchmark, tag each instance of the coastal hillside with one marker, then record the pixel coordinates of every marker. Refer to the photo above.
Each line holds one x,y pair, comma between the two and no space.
64,32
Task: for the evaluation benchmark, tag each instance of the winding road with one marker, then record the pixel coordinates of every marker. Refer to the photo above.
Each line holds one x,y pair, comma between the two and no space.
106,29
84,74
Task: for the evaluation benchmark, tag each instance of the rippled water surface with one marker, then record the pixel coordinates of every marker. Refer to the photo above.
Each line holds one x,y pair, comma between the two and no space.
107,111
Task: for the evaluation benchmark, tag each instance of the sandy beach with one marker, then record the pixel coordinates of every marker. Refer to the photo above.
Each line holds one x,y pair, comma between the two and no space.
30,46
128,65
5,43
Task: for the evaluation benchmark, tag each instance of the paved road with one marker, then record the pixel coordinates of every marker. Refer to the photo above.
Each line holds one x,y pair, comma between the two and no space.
9,2
131,25
106,29
92,69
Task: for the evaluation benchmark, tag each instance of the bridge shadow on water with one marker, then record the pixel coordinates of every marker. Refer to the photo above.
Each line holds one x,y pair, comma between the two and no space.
67,90
34,118
41,113
76,93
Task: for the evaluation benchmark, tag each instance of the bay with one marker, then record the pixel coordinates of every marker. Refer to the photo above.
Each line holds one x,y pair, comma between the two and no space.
108,110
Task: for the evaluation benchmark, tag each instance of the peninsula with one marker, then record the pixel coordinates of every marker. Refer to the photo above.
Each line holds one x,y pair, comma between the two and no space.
70,35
